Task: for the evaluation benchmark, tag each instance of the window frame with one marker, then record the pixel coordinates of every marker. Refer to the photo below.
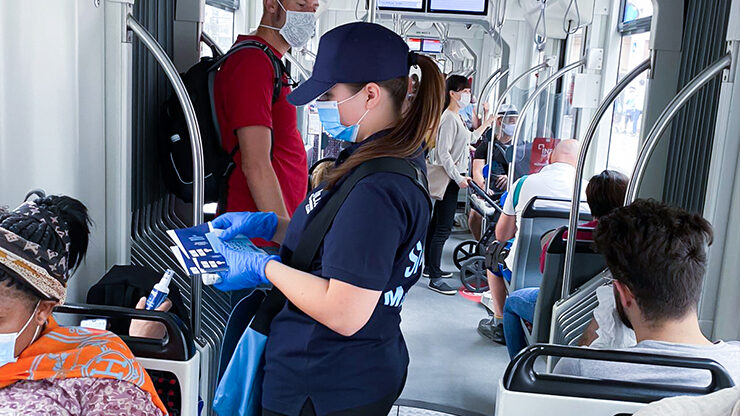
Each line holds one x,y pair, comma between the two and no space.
225,5
633,27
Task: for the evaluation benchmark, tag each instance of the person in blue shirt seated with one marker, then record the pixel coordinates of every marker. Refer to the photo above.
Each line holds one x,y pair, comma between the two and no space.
336,347
657,255
604,193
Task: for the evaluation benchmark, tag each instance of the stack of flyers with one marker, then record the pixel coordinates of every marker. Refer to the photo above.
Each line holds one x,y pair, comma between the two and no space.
194,251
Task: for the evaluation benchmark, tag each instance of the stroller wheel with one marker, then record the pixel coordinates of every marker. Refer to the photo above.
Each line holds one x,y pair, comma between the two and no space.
473,274
464,251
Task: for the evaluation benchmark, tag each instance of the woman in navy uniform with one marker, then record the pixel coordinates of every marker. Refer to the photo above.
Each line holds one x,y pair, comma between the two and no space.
336,348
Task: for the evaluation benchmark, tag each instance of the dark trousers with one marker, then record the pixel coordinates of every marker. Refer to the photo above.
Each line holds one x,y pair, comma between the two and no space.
440,229
380,408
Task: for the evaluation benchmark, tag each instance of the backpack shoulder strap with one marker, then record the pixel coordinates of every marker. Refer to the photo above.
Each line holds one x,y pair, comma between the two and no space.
314,234
518,189
277,65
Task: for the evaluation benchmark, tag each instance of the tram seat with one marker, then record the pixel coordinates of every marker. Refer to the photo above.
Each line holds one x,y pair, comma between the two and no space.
172,363
586,265
525,391
539,216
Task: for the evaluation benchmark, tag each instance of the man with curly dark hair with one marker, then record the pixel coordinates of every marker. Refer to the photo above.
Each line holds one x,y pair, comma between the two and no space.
657,255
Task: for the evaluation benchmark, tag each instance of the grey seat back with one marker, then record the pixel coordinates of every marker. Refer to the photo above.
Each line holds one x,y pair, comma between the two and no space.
535,221
586,265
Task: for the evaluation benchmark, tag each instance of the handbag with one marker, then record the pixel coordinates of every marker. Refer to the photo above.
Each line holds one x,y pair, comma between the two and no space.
437,178
239,391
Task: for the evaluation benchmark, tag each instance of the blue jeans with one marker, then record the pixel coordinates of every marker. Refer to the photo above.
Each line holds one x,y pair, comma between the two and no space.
519,305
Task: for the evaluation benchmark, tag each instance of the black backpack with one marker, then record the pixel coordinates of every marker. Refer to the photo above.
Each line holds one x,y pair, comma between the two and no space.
175,152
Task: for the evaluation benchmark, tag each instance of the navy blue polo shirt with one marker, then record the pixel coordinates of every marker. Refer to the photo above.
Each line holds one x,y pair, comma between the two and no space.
376,243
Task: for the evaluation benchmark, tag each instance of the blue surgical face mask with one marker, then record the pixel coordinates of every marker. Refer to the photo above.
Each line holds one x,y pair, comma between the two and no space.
7,341
508,129
331,120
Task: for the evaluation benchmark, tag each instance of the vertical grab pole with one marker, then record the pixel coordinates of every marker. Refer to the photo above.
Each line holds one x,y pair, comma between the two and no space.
488,87
585,146
195,144
372,11
498,105
523,113
666,117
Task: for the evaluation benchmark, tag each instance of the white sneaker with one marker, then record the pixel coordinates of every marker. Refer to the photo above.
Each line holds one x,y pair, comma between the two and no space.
486,300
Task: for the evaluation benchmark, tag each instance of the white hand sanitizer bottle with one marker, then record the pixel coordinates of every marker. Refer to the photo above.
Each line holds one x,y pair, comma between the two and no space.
160,291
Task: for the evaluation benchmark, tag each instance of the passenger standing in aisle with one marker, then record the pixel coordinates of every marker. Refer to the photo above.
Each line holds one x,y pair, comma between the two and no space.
336,346
453,154
271,174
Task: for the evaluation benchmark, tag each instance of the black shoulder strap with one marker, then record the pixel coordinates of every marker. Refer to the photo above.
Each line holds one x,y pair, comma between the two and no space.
320,224
277,65
278,70
314,234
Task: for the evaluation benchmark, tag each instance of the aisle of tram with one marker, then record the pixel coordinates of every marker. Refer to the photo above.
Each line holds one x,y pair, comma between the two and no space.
452,364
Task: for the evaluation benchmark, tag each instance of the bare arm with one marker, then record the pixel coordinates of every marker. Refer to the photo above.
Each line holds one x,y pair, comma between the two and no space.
589,334
478,172
341,307
255,143
506,227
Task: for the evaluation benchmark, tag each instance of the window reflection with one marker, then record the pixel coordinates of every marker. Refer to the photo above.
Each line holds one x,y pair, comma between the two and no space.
629,106
219,25
637,9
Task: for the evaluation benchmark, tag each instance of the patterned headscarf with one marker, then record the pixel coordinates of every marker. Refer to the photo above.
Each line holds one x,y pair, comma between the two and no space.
45,270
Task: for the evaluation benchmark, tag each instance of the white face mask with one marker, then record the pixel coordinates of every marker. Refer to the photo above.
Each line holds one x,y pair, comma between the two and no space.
299,27
464,100
509,129
7,341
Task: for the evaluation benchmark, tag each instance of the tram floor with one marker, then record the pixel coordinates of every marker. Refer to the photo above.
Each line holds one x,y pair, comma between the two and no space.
451,364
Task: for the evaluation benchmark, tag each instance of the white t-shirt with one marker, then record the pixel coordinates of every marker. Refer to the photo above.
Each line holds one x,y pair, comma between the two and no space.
553,181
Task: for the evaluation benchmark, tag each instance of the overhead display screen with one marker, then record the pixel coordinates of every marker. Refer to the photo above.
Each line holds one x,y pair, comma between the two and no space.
408,5
479,7
414,44
431,46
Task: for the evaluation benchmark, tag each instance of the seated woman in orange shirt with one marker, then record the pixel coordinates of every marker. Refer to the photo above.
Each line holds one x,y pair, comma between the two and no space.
46,368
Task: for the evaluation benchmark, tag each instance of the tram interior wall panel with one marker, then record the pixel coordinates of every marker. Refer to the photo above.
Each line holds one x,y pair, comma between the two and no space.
52,112
692,135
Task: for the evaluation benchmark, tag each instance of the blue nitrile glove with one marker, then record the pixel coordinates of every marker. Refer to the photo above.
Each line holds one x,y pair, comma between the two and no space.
246,268
249,224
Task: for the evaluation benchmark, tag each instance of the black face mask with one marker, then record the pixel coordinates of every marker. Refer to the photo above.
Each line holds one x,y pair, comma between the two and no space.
620,310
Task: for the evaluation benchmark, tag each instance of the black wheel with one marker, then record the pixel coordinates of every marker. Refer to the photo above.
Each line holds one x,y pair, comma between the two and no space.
473,274
464,251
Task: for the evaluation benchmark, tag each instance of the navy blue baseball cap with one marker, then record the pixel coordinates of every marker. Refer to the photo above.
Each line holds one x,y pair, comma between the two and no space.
355,53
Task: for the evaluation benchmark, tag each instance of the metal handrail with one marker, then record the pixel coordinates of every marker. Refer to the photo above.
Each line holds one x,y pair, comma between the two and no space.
493,80
305,73
577,186
215,49
665,118
500,102
196,146
523,113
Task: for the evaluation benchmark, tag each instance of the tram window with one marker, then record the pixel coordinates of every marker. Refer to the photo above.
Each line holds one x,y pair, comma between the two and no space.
629,106
219,25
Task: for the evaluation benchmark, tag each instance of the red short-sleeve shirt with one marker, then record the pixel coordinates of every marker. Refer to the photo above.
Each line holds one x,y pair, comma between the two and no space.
243,91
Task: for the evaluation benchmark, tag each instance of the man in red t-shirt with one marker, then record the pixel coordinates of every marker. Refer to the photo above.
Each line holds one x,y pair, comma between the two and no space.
271,172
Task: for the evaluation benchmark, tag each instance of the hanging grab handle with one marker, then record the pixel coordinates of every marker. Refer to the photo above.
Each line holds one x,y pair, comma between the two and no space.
566,23
541,21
